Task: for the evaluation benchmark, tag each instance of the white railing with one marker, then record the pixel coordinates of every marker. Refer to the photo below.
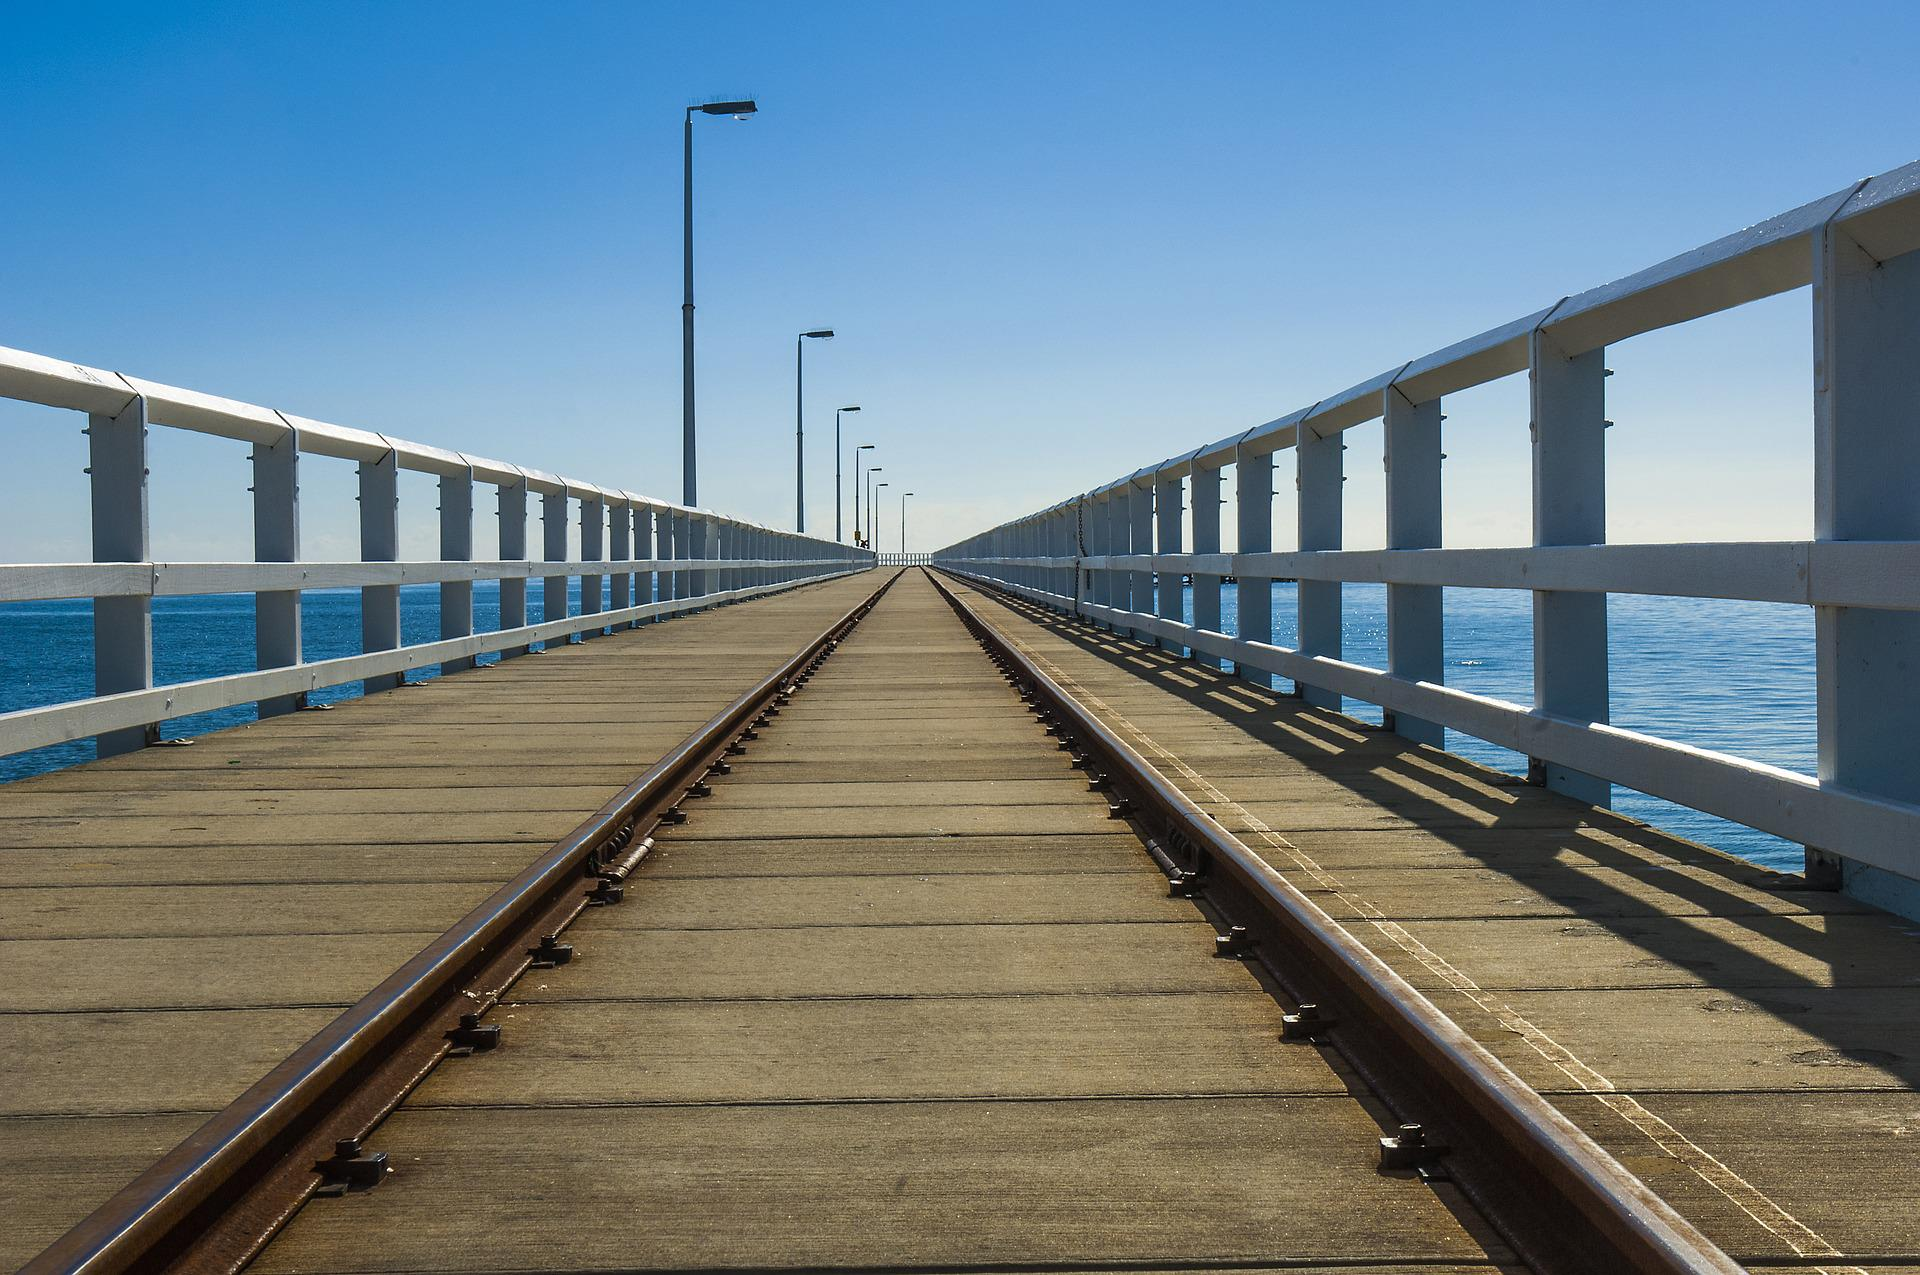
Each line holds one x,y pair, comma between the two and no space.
1115,554
692,558
897,559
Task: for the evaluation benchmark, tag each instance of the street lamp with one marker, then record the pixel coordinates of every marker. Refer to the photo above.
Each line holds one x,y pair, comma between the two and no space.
873,515
857,524
836,469
903,521
871,471
689,487
799,429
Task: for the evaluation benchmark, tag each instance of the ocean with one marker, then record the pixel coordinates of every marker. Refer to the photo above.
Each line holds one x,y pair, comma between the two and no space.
1733,676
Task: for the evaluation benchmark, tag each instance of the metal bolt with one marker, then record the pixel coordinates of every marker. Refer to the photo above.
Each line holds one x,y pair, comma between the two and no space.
1232,944
1304,1023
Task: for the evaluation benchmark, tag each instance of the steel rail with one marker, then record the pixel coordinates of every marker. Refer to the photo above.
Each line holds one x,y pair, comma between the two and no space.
1559,1199
214,1201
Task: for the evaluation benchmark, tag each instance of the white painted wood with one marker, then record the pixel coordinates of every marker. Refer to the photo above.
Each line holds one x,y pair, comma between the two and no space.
456,545
380,542
122,626
1568,399
513,546
1321,480
1866,328
1169,587
276,538
1205,484
553,535
1415,621
1253,480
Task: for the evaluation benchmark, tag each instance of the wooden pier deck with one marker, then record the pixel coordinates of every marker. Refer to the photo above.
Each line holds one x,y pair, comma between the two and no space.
899,994
902,993
1749,1047
174,921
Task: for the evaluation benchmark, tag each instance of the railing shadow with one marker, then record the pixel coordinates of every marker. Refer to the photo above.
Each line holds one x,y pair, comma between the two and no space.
1553,853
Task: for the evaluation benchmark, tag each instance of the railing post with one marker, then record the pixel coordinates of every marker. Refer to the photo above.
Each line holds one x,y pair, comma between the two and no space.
644,546
1170,588
1101,521
1569,508
697,548
593,535
1205,494
1415,622
513,548
1866,326
682,555
1253,500
1321,481
726,538
456,545
663,532
1140,540
122,626
620,550
380,542
276,538
553,534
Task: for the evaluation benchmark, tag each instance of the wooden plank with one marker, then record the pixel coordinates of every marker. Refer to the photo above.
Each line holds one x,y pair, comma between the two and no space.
879,1185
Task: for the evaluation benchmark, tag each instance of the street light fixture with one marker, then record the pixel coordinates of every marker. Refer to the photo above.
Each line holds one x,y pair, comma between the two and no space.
799,426
836,469
858,526
689,485
903,521
871,471
873,515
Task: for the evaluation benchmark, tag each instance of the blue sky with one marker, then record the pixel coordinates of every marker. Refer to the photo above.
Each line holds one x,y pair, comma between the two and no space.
1058,240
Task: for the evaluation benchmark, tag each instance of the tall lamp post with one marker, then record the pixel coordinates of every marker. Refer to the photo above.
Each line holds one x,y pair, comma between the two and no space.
689,484
903,520
799,426
868,525
873,515
836,470
857,524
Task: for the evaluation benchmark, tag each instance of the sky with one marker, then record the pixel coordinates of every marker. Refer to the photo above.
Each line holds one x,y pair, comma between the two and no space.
1058,241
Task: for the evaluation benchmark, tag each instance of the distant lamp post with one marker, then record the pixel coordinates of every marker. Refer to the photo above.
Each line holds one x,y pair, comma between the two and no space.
857,524
799,426
903,521
871,471
689,484
873,516
836,470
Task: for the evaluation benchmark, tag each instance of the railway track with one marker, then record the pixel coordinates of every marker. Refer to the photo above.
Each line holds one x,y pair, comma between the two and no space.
926,969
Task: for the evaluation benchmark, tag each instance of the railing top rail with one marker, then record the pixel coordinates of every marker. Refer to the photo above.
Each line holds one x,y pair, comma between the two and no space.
50,382
1773,256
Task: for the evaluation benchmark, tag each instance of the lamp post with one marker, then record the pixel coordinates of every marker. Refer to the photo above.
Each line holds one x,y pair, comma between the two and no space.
871,471
903,521
689,485
857,524
873,515
799,427
836,470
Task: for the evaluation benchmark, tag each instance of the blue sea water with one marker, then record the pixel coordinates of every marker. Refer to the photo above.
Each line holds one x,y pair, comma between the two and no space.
1737,677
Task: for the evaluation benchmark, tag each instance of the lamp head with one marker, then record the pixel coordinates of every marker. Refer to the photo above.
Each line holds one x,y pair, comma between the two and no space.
849,409
864,447
823,334
739,110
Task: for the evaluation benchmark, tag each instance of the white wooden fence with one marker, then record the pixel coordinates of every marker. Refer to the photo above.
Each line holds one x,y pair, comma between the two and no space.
1115,554
661,559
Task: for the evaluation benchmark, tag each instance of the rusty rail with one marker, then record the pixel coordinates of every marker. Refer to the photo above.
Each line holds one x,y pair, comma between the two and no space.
213,1202
1558,1198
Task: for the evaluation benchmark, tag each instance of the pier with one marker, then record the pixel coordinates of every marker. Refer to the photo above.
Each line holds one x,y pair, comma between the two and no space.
778,904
